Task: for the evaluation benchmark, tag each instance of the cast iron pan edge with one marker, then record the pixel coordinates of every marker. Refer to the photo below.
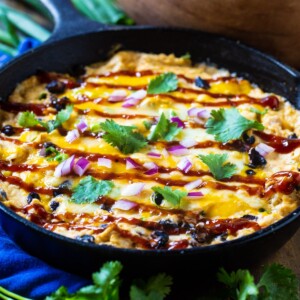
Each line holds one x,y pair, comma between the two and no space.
63,252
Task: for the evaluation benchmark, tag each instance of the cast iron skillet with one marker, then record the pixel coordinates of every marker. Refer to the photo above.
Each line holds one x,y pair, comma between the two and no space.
78,41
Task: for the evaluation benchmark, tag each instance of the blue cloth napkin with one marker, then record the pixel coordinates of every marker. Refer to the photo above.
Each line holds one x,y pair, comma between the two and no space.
27,275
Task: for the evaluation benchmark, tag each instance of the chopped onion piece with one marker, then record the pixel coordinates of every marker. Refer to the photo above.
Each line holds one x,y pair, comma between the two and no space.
81,166
195,194
154,154
82,126
184,165
104,162
72,136
178,150
117,96
193,184
179,122
65,167
133,189
152,168
204,113
134,98
131,164
188,142
124,204
264,149
198,112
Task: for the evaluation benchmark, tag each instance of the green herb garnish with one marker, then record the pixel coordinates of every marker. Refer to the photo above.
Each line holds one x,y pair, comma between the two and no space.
229,124
163,83
90,189
172,196
55,155
125,138
42,96
217,165
259,112
28,119
163,130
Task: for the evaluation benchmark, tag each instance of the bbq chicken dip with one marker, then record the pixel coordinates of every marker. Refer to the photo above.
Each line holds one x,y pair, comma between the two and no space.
149,151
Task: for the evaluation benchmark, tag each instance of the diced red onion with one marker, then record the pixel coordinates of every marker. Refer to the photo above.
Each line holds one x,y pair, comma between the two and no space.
65,167
179,122
81,166
178,150
133,189
42,152
195,194
152,168
204,113
131,164
72,136
124,204
154,154
104,162
198,112
117,96
82,126
134,98
264,149
193,184
184,165
188,142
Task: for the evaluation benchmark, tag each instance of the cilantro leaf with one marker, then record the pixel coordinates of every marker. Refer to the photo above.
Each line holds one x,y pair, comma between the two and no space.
90,189
29,119
217,166
123,137
172,196
106,285
240,284
163,83
163,130
229,124
55,155
156,288
278,282
259,112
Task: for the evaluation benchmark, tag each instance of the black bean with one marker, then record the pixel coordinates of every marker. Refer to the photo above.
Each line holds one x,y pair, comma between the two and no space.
3,195
293,136
63,188
256,160
238,145
168,224
161,238
49,144
157,198
54,205
86,238
31,196
105,206
261,209
59,104
249,140
8,130
249,217
56,87
201,83
250,172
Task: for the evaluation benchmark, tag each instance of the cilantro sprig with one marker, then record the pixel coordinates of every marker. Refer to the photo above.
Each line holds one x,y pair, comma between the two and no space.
28,119
163,130
55,155
172,196
163,83
217,165
229,124
125,138
259,112
90,189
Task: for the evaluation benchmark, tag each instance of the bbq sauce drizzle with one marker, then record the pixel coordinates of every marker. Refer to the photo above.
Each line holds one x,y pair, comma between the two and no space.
212,228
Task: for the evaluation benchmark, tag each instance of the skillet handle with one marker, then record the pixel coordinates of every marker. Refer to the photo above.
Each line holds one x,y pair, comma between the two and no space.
68,21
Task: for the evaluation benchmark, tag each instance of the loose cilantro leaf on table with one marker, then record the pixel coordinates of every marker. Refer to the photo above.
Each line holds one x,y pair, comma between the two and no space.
163,83
217,165
156,288
278,282
90,189
229,124
164,130
240,284
29,119
106,285
125,138
172,196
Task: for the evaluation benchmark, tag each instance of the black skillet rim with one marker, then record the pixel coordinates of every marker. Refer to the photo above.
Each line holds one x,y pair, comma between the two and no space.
271,229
